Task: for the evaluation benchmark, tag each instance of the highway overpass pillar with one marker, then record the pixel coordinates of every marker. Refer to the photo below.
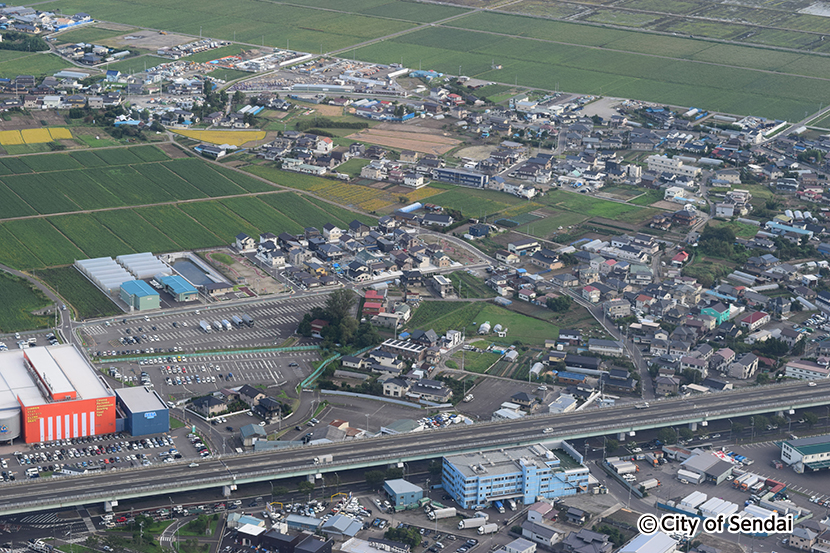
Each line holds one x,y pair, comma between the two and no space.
693,426
108,505
226,490
621,436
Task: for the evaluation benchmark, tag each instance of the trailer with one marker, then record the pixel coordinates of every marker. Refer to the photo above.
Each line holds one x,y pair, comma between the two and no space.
438,514
499,506
488,528
227,324
689,476
205,326
474,522
247,319
323,459
237,321
649,484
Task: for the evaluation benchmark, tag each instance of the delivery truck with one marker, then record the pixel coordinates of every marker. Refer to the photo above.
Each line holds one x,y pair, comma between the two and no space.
474,522
488,528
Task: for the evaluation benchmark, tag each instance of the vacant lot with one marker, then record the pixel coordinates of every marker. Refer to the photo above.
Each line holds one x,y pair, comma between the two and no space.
18,299
400,140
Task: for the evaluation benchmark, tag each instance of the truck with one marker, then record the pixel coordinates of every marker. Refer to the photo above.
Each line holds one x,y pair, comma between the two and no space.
499,506
237,321
438,514
247,319
474,522
323,459
649,484
205,326
217,325
511,504
488,528
227,324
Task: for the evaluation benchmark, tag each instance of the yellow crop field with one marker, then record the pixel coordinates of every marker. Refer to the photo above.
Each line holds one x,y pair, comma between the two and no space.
234,138
59,133
422,193
10,138
36,136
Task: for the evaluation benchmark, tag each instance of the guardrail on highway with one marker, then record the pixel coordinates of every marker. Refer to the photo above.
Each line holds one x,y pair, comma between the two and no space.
115,359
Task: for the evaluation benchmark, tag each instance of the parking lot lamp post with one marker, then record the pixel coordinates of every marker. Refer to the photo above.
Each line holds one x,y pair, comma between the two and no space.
427,488
367,423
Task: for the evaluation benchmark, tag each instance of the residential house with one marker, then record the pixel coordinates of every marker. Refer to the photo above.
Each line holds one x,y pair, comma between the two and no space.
744,367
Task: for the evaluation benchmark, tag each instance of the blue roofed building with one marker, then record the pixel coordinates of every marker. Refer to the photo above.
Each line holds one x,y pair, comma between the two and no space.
179,288
402,492
522,473
139,296
112,76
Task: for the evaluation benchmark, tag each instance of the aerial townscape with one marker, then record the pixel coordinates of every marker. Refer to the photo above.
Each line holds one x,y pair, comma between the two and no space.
407,276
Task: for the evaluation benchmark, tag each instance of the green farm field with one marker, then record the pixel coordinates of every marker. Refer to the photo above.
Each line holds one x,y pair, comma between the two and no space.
462,315
87,300
13,63
305,28
18,298
620,63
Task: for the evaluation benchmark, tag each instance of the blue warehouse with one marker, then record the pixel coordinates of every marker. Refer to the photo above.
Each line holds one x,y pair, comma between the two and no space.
144,411
519,473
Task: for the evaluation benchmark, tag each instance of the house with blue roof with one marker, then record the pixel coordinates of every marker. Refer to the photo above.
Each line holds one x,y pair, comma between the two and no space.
113,75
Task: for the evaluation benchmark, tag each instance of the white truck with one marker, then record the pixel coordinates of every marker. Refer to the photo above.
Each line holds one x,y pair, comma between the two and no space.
227,324
649,484
488,528
511,504
474,522
205,326
217,325
438,514
323,459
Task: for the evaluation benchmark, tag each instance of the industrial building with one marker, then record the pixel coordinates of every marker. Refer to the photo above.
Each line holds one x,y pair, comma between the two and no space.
402,493
143,265
139,296
144,411
51,393
522,473
807,454
178,287
104,273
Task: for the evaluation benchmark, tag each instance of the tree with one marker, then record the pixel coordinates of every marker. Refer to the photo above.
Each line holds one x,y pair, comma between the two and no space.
810,418
686,433
778,421
279,490
560,304
611,446
374,478
305,487
760,421
410,536
737,428
762,378
339,304
238,97
394,473
667,435
435,468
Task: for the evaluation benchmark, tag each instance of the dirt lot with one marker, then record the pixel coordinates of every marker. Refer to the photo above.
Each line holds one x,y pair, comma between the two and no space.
21,121
424,142
149,40
475,152
244,273
328,111
170,149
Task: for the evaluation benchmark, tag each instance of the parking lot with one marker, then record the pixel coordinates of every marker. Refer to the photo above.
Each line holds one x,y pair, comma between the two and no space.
161,348
490,393
273,322
91,454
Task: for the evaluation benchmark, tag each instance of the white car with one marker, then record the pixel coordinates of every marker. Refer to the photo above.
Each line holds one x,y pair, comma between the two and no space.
811,383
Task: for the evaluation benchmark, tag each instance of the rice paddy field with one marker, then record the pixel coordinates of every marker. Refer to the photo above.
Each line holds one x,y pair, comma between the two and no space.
33,136
306,28
620,63
138,199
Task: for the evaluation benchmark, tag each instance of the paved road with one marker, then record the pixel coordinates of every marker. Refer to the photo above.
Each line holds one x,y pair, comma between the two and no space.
43,494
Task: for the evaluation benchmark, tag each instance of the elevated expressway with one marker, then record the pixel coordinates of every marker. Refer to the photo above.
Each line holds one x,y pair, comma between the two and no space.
41,494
